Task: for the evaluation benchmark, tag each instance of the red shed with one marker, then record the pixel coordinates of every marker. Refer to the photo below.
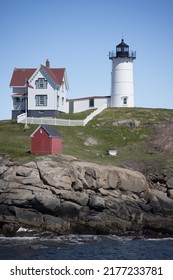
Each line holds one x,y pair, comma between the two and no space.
46,140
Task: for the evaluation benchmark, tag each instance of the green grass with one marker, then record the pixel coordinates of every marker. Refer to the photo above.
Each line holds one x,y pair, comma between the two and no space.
146,115
129,141
14,140
76,116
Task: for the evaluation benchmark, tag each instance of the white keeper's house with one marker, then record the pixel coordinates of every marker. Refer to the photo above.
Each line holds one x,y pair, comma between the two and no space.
42,91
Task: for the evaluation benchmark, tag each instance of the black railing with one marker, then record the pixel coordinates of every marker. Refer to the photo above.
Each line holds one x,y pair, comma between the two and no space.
131,54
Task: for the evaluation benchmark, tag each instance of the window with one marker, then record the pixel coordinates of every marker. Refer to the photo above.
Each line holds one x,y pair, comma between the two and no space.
41,83
125,100
122,49
62,86
57,100
62,100
41,100
91,102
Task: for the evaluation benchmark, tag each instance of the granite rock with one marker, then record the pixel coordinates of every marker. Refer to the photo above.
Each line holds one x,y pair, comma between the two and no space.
67,196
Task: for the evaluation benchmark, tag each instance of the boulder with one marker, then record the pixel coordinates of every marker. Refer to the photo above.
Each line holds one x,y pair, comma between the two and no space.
170,183
154,204
33,178
113,179
54,175
69,210
90,178
46,202
80,198
28,217
127,123
132,181
90,141
3,168
77,184
164,200
170,193
97,203
55,224
23,171
16,194
9,174
30,164
9,230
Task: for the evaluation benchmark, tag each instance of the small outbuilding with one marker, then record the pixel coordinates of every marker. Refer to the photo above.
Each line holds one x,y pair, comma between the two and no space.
46,140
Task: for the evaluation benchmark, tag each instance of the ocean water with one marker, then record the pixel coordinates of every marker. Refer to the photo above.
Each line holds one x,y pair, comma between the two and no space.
85,247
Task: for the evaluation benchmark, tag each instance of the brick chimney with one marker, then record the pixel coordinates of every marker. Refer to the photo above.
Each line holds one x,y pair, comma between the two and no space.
47,63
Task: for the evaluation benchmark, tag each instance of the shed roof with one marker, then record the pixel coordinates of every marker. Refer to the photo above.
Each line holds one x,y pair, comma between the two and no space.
50,130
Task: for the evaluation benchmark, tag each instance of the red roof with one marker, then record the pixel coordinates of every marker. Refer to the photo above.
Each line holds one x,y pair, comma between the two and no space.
20,75
56,74
88,97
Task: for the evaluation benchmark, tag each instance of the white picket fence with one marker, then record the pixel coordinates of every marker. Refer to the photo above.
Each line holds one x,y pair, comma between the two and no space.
21,118
62,122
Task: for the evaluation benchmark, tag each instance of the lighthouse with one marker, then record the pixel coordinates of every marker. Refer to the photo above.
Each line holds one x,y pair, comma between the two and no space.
122,84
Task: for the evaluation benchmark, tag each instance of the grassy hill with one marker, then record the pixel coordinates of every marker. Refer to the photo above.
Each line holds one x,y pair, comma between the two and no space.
136,145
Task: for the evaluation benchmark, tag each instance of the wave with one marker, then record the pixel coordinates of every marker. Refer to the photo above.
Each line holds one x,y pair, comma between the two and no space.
22,229
85,247
78,239
159,239
18,238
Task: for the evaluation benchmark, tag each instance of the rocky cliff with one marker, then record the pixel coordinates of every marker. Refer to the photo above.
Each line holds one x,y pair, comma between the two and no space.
62,196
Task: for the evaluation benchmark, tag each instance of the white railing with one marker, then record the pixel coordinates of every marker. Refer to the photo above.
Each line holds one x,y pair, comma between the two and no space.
21,118
62,122
95,113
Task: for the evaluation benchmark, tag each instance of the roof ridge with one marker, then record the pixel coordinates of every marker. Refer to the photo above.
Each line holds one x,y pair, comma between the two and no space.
16,68
51,130
48,70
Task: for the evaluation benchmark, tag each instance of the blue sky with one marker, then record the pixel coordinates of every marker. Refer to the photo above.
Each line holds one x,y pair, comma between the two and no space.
79,34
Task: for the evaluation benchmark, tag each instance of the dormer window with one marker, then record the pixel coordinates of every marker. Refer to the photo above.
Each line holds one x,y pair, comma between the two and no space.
41,83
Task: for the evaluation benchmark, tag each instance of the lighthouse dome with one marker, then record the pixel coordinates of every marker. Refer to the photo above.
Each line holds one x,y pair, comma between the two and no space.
122,49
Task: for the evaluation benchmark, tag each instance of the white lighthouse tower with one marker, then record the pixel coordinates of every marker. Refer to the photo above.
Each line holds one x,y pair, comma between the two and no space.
122,85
